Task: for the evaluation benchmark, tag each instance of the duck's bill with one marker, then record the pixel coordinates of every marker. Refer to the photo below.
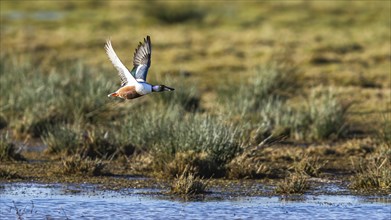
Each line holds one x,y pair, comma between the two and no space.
166,88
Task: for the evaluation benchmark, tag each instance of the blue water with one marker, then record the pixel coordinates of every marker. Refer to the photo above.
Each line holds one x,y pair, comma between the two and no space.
59,201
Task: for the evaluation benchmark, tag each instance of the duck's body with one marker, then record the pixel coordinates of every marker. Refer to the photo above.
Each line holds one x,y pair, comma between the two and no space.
133,84
133,91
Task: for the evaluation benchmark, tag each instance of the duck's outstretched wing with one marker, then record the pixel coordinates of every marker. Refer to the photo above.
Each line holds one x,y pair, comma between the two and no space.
124,74
142,60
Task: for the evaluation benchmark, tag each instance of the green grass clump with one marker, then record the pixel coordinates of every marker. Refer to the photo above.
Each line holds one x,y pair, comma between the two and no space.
267,84
62,139
322,117
175,131
188,184
293,184
184,97
92,143
38,99
264,102
327,115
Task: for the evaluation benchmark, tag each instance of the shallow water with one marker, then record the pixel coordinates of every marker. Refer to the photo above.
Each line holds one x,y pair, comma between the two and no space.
61,201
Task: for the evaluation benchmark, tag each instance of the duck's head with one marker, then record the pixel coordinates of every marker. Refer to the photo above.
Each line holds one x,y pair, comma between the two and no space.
161,88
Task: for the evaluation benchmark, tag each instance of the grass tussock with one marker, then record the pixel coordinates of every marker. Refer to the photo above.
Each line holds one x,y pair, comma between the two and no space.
199,164
75,165
246,166
373,173
267,84
327,115
95,143
176,133
293,184
188,184
310,166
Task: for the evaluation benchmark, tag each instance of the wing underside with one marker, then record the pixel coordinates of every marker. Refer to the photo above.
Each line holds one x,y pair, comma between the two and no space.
123,72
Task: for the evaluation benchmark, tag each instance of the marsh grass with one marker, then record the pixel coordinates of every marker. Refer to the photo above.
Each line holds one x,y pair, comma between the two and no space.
327,115
62,139
293,184
267,83
264,102
246,166
200,164
54,86
384,133
93,143
175,131
8,174
75,165
373,172
309,165
188,184
8,151
37,100
185,97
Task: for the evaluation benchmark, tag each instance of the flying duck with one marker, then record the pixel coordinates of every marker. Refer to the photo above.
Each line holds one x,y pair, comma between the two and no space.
133,83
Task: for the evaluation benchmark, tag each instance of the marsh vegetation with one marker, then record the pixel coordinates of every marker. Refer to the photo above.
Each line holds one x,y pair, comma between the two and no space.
280,92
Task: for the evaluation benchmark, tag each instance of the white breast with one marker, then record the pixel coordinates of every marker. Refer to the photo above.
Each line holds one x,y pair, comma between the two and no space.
143,88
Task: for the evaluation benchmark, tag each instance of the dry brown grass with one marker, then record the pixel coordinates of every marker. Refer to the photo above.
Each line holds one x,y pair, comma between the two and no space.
75,165
373,171
188,184
293,184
